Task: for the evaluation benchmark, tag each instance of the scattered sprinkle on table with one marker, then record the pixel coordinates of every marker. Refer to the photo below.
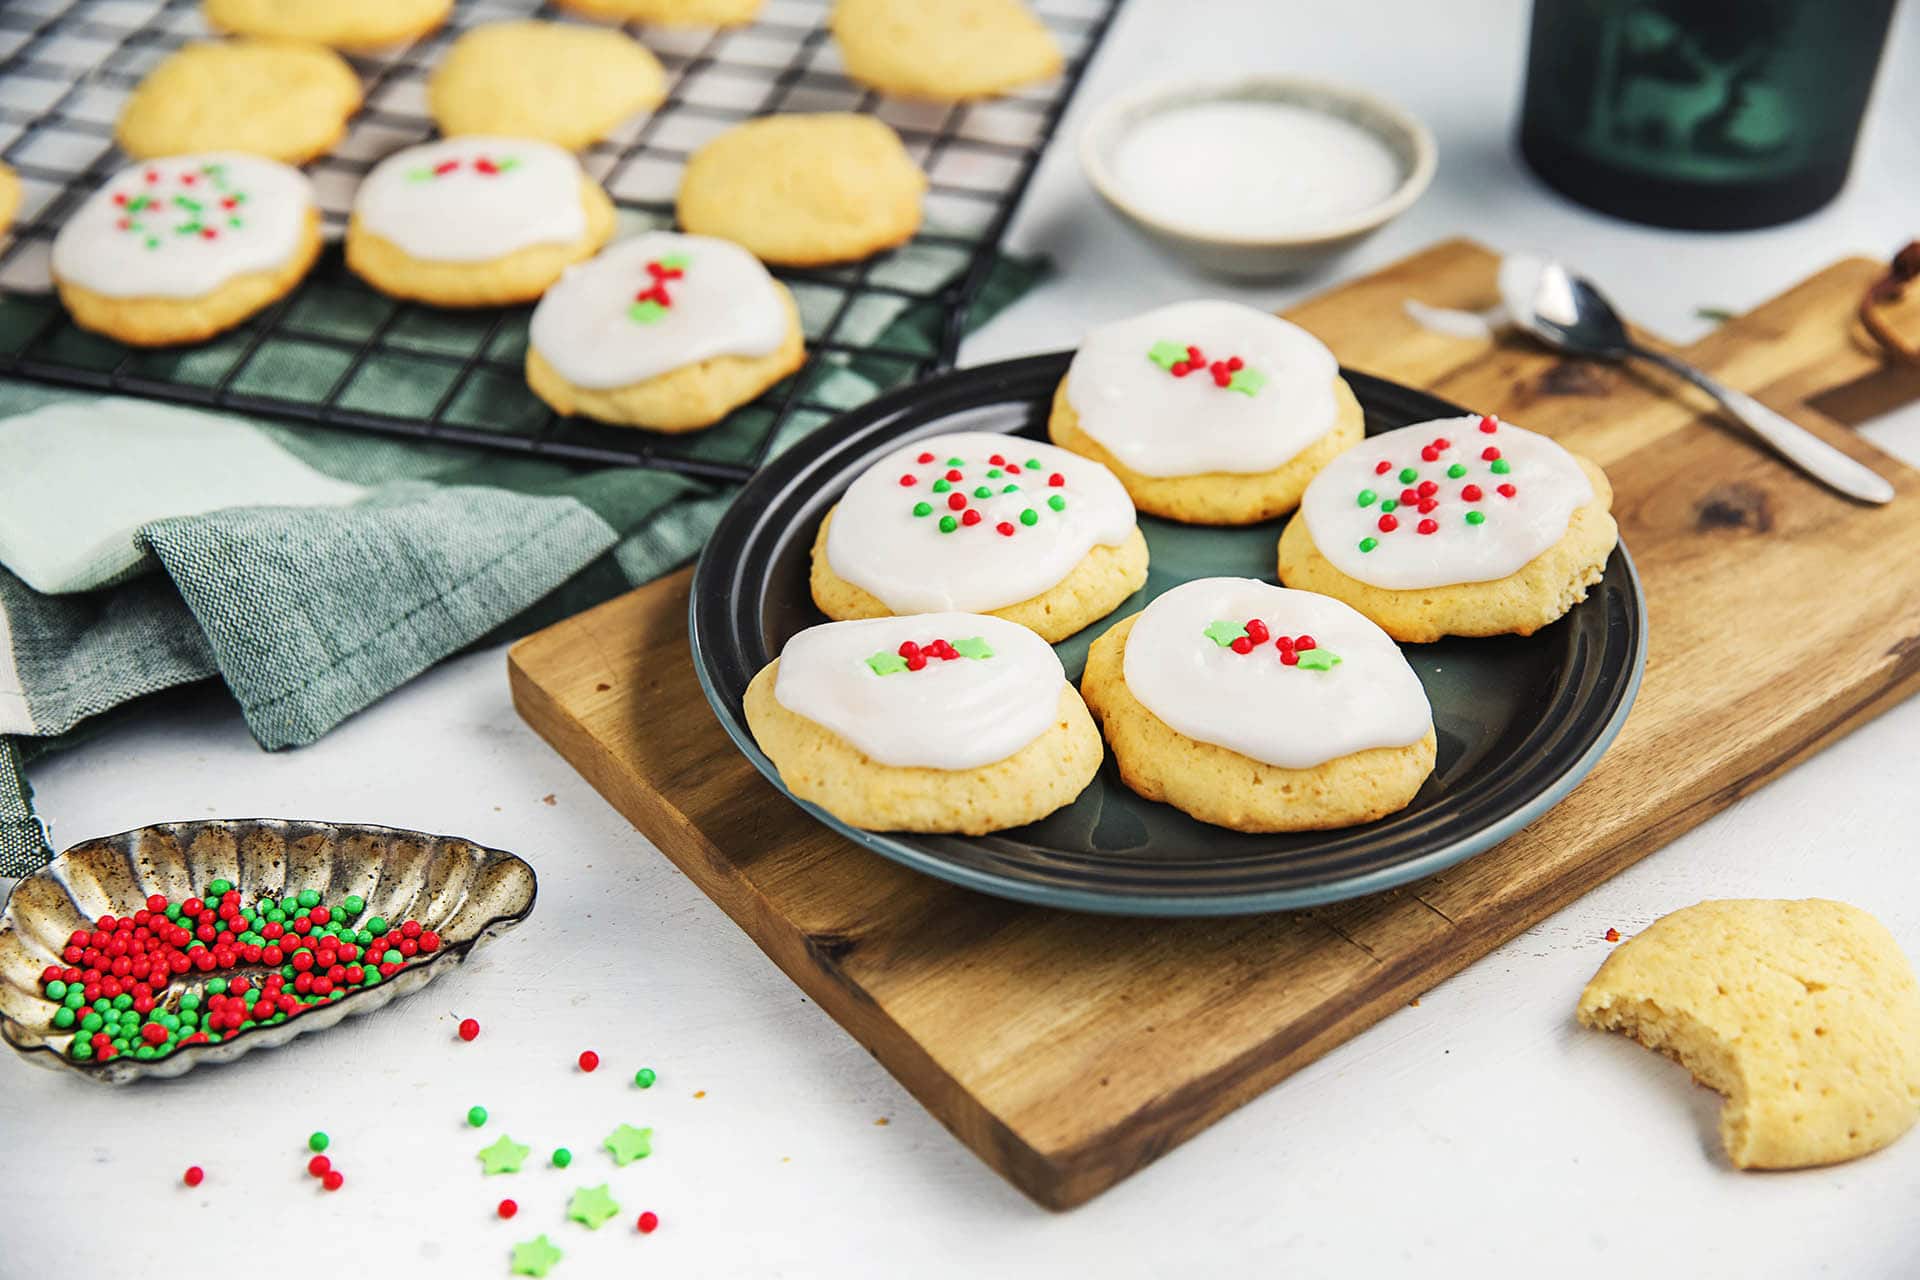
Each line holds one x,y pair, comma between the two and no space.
193,1176
535,1256
318,1166
629,1144
333,1180
476,1116
644,1077
589,1060
648,1221
469,1029
317,1141
507,1209
562,1157
504,1156
592,1206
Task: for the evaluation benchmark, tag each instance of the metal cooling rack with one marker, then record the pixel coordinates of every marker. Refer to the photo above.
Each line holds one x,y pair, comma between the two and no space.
335,352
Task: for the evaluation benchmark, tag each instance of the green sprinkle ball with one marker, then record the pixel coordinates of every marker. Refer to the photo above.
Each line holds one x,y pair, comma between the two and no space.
562,1157
1389,504
956,462
219,888
1012,488
1029,517
948,524
354,904
476,1116
318,1141
941,486
1408,475
309,899
1457,470
984,491
644,1077
923,508
1368,544
1500,467
1367,498
1476,517
1057,502
376,925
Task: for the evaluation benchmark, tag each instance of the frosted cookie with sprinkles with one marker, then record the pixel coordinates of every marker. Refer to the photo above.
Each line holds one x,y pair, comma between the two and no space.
344,24
943,50
983,523
277,98
565,84
177,250
1209,412
1250,706
663,331
940,722
1461,526
475,221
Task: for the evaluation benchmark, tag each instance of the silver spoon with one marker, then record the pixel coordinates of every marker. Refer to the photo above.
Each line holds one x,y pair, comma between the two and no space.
1565,311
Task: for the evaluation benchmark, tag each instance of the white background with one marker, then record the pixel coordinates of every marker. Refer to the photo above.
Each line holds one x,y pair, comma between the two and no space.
1479,1132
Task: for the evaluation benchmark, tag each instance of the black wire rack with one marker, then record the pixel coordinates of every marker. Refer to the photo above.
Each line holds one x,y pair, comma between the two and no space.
334,352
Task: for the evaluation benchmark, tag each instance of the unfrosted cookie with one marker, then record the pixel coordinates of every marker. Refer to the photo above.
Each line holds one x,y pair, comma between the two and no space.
1804,1014
176,250
804,190
983,523
1209,412
669,13
1460,526
568,85
276,98
344,24
1261,709
943,50
943,722
9,197
475,221
663,331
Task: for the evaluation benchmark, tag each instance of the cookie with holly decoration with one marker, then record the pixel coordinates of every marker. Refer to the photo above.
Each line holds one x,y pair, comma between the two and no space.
475,221
1463,526
344,24
1209,412
663,331
940,722
277,98
179,249
983,523
1261,709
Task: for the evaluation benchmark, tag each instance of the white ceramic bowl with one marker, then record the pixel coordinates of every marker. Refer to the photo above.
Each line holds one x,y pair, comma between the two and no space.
1285,252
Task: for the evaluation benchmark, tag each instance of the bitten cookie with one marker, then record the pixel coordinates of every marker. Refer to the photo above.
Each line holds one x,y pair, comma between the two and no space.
943,50
804,190
177,250
943,722
568,85
669,13
984,523
1459,526
1804,1014
1261,709
275,98
475,221
1209,412
344,24
663,331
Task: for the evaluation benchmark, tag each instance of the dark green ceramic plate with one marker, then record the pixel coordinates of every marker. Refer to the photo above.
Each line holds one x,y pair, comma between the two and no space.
1520,721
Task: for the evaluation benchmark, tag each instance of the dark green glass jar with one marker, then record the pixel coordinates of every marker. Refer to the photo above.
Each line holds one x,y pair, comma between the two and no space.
1699,113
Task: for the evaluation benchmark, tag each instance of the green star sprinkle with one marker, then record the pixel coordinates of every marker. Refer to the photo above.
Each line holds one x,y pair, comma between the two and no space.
1319,660
592,1206
973,647
1224,633
1166,354
504,1156
1247,382
646,312
535,1256
887,663
628,1143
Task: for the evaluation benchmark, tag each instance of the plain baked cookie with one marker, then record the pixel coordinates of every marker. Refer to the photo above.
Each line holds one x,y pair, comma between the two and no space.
943,50
475,221
344,24
1253,707
177,250
1461,526
804,190
569,85
277,98
9,197
987,523
1804,1014
942,722
669,13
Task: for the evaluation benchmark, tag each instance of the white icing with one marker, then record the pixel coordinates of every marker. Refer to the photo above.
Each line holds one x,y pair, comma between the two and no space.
1253,703
725,305
164,252
1548,486
1162,425
880,546
470,199
957,713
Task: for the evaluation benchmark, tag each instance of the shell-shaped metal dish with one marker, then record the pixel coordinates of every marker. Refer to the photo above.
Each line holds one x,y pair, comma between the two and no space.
463,891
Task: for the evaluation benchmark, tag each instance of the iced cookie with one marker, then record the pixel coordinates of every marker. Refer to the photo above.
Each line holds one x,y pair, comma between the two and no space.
344,24
9,197
1209,412
177,250
943,722
663,331
1261,709
804,190
475,221
943,50
669,13
1804,1014
275,98
1455,527
983,523
568,85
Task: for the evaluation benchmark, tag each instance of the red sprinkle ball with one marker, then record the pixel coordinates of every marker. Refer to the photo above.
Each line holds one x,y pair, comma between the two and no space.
589,1060
507,1209
333,1180
319,1166
1488,425
648,1221
1381,467
194,1175
469,1029
1291,647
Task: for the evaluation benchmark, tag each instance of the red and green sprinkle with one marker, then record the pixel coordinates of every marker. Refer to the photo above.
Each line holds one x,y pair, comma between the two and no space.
996,480
913,656
1295,651
485,166
651,304
204,205
1231,374
1426,496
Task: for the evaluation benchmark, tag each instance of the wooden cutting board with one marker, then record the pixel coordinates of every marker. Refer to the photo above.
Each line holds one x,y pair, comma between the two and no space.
1070,1050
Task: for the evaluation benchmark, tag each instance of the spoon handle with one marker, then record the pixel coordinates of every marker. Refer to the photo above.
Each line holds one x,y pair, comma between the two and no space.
1798,445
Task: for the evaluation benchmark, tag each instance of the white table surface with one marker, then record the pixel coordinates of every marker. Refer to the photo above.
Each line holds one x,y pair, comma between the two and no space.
1481,1131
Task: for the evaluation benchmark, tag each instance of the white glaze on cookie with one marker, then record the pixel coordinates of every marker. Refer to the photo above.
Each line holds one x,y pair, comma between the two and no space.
1016,544
597,333
182,226
1163,423
472,199
1292,716
952,713
1524,495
